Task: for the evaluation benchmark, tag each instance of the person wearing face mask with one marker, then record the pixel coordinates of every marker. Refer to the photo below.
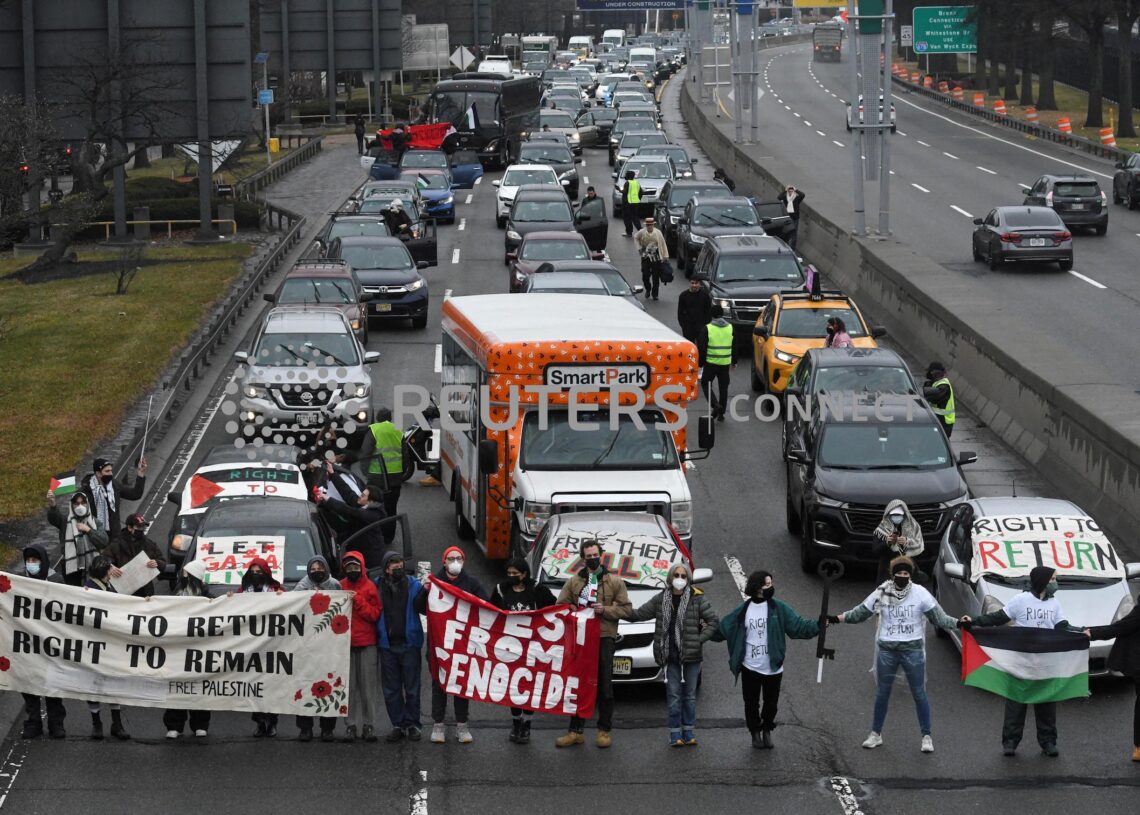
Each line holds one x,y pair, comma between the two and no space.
901,642
897,535
99,579
317,578
36,567
520,593
594,586
81,536
105,493
452,572
1036,607
258,577
756,632
400,637
684,620
363,682
130,544
190,583
837,336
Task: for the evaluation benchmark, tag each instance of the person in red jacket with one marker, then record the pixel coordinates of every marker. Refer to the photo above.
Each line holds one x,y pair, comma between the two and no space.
363,683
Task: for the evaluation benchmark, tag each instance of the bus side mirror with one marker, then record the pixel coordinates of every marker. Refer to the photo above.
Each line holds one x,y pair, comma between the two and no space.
488,457
706,432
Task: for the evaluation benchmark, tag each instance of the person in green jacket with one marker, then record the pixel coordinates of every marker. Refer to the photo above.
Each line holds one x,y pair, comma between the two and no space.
756,632
685,620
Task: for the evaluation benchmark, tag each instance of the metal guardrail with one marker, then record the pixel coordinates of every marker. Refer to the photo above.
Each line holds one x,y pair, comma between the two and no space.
245,188
1013,123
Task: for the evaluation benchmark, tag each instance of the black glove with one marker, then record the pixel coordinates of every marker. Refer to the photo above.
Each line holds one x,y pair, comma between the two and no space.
965,625
833,619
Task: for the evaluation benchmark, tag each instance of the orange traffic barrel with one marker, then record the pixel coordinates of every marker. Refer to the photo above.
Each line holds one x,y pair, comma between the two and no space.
1107,138
1064,125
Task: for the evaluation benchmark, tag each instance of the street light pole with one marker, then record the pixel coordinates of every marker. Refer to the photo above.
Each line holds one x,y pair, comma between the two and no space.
262,58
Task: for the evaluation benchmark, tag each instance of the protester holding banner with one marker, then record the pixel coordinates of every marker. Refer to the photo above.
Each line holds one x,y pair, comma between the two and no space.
37,567
452,572
596,587
521,593
1033,608
685,620
400,637
189,584
132,542
259,578
81,536
756,632
99,579
901,641
105,493
363,685
317,578
1125,658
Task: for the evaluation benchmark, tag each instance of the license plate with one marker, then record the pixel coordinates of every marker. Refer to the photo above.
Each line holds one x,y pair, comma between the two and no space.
1076,206
1036,241
307,419
379,308
623,666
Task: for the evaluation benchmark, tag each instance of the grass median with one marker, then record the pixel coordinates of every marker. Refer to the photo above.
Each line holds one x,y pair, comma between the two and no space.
74,355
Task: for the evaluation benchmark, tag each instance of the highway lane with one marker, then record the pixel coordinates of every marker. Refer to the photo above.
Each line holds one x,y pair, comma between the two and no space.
948,169
739,526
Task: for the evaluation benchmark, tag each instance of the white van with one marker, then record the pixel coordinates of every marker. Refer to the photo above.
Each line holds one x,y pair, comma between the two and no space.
615,37
583,45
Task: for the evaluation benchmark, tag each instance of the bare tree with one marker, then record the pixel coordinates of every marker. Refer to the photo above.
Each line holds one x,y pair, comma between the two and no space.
27,153
1127,12
1090,16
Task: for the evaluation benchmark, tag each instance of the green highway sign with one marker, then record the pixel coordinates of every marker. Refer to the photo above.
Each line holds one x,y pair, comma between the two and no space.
945,30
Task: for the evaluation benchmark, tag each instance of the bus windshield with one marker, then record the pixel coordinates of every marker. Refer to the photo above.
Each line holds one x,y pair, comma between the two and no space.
560,447
452,106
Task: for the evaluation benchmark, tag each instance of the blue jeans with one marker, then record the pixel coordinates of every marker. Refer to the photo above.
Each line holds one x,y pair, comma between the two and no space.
914,666
400,678
681,694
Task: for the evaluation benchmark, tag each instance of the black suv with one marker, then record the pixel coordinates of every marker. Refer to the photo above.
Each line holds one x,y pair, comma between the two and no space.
775,219
557,156
1078,199
671,203
706,218
538,209
1126,182
852,458
743,272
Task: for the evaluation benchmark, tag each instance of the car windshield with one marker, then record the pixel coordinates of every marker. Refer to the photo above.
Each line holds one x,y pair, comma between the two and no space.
371,229
811,323
776,210
1076,189
631,141
615,282
539,285
887,446
428,181
556,118
378,257
516,178
559,446
642,560
554,250
545,154
551,211
649,169
757,268
425,159
725,215
676,153
643,115
290,350
867,378
679,196
1033,219
602,115
316,290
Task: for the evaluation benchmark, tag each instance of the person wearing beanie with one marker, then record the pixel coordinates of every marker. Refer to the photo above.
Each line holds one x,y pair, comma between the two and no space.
82,536
363,681
1036,607
130,544
400,637
450,572
191,582
105,493
36,566
756,632
901,606
99,579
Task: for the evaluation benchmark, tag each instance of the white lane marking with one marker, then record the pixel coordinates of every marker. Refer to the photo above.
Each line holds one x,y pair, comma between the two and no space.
1023,186
962,211
737,572
892,172
949,155
469,197
455,255
901,133
806,122
1003,141
847,801
820,132
919,187
438,357
986,170
11,766
787,107
796,115
837,143
920,141
418,799
1088,280
586,179
462,224
446,293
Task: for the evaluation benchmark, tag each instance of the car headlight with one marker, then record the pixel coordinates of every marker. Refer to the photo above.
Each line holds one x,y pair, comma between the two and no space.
358,391
682,517
827,501
784,356
513,236
575,137
725,304
1124,609
417,284
534,516
256,391
448,200
695,238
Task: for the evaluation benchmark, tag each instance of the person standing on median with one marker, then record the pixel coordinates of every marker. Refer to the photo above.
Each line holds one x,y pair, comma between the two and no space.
317,578
35,566
363,685
791,198
596,587
720,361
400,636
654,251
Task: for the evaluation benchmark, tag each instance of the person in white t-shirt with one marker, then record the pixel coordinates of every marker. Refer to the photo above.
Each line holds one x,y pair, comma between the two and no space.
902,607
1033,608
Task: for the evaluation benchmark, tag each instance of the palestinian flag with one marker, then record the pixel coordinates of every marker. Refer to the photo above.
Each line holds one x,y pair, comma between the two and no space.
64,484
1027,665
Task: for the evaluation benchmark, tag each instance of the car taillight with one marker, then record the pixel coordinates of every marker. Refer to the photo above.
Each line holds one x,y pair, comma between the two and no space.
1049,198
1061,237
1103,198
1011,237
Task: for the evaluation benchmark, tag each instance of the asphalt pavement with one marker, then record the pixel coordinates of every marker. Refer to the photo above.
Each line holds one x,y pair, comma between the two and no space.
817,765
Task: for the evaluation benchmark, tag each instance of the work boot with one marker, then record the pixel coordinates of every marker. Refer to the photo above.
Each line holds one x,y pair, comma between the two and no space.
766,737
33,729
306,735
96,727
1050,750
369,733
396,735
604,739
524,733
259,732
1009,748
571,739
117,729
516,728
327,735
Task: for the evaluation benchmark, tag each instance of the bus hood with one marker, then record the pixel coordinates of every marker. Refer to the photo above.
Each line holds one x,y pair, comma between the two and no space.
603,489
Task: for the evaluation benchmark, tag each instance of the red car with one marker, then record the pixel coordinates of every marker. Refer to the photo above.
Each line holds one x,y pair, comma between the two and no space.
539,247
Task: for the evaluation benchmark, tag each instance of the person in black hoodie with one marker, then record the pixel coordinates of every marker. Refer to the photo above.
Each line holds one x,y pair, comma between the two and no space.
519,593
37,567
451,572
1125,658
367,511
130,543
694,312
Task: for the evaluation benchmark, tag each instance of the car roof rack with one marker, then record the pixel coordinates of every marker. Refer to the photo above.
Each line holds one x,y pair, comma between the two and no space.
319,262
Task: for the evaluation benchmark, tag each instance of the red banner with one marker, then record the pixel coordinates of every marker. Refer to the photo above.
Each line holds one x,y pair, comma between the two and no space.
546,661
421,137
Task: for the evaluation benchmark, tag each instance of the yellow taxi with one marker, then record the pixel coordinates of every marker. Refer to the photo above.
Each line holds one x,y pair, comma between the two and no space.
795,321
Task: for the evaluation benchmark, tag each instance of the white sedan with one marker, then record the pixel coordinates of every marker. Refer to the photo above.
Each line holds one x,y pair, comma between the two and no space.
516,176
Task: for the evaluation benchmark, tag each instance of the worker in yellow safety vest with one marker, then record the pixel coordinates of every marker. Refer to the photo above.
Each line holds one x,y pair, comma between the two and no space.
720,359
938,391
631,203
382,456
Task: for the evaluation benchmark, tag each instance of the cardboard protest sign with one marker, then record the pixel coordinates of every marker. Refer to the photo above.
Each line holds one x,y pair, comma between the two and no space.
546,660
1011,545
257,652
642,560
227,557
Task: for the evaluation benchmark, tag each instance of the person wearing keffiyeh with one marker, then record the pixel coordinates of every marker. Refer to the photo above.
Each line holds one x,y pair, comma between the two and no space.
81,536
105,493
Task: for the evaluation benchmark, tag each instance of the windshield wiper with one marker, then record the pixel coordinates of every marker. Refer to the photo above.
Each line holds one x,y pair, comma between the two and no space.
843,466
608,449
343,293
323,352
736,220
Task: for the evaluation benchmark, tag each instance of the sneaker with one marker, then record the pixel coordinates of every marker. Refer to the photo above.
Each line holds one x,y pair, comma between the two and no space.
604,739
757,740
1008,748
438,733
173,734
350,733
415,732
571,739
201,734
396,735
927,744
463,733
369,733
872,741
675,739
1050,750
690,738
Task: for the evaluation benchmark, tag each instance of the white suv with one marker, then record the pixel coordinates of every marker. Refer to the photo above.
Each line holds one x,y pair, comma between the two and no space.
516,176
